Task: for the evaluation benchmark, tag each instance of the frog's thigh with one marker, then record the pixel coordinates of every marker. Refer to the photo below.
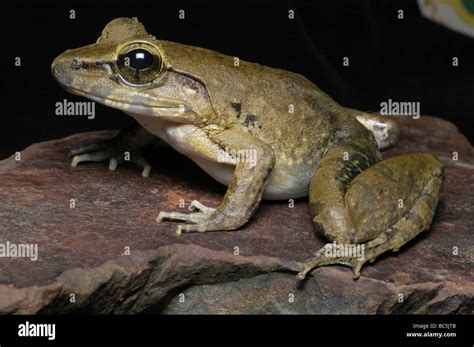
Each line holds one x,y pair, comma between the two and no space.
330,183
403,189
385,206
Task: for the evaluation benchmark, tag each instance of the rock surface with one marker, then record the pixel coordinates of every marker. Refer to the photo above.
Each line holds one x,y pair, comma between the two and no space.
109,252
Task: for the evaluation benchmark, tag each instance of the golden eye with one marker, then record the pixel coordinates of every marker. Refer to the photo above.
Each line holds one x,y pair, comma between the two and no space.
139,63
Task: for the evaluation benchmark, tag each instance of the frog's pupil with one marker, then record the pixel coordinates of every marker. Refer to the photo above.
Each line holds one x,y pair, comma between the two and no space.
140,59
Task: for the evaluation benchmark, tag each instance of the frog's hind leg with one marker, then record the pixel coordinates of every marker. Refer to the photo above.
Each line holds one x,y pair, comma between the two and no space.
366,213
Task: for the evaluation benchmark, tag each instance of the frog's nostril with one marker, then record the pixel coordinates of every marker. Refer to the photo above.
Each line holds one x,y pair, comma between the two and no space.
76,62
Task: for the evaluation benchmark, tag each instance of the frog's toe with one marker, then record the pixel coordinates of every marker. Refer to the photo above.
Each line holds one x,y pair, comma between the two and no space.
206,225
355,256
311,264
197,206
93,156
210,220
195,217
201,214
110,150
327,256
190,228
137,158
114,162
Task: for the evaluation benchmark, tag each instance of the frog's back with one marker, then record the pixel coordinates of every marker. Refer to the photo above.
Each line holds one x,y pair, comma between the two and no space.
282,108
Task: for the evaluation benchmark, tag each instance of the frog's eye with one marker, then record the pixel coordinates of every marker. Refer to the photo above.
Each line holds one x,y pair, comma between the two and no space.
139,63
139,59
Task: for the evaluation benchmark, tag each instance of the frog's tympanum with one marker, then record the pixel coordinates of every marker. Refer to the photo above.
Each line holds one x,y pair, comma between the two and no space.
284,139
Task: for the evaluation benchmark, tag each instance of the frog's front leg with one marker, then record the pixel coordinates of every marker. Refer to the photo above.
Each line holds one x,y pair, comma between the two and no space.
367,211
131,140
245,190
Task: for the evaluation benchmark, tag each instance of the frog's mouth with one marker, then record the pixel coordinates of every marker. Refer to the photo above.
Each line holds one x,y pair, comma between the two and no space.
143,109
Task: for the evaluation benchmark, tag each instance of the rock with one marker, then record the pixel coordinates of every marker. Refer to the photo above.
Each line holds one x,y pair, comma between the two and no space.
111,254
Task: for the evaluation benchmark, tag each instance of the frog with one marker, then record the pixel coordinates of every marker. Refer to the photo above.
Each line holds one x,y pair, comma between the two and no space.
265,133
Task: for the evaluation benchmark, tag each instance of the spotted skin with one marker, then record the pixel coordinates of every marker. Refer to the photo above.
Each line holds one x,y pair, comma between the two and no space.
237,106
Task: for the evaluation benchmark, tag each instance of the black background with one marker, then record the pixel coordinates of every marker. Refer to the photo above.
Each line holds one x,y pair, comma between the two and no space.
291,330
405,60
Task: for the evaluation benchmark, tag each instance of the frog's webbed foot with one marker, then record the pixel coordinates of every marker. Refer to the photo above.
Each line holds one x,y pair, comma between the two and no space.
356,255
125,147
367,213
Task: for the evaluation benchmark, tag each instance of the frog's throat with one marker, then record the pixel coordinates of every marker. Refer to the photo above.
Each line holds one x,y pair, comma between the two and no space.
158,111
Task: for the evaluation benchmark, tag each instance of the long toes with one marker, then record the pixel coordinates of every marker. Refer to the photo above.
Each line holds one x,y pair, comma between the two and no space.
181,217
112,150
327,256
316,262
197,206
309,266
356,269
190,228
96,156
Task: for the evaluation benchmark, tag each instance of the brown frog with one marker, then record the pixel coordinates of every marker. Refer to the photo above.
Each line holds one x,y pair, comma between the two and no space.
263,132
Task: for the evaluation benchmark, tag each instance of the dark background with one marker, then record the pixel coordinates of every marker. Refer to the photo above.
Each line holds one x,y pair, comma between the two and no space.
405,60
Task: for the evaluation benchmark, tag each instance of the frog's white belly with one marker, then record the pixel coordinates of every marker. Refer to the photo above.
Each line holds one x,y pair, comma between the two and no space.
281,186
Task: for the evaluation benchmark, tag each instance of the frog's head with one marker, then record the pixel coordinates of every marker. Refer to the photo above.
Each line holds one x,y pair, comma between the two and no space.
126,69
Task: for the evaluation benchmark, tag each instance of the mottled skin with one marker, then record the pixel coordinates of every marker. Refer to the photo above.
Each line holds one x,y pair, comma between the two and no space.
201,102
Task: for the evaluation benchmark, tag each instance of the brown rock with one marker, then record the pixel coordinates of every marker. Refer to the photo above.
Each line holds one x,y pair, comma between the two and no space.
81,249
